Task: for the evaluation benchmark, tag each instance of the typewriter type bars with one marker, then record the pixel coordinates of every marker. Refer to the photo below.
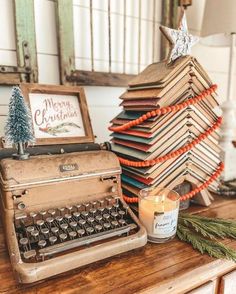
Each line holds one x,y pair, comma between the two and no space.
45,234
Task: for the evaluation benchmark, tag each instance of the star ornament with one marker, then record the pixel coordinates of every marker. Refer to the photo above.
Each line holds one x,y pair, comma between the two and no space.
181,41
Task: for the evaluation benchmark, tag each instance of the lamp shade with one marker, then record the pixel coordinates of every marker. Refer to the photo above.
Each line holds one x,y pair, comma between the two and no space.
219,17
219,22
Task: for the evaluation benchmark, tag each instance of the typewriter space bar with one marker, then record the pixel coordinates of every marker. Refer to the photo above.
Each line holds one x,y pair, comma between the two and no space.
85,240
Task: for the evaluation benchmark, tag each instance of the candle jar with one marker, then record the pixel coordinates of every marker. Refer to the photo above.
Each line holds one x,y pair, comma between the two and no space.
158,212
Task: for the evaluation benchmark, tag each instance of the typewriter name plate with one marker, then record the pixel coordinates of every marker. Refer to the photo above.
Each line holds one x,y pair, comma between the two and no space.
68,167
45,234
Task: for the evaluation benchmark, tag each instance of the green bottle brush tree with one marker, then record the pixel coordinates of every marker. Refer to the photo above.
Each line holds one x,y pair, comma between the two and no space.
18,129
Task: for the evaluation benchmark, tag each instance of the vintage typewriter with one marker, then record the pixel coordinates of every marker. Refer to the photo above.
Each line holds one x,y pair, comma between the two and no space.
64,211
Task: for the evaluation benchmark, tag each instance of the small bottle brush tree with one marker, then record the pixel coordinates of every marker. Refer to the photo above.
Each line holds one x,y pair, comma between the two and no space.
18,129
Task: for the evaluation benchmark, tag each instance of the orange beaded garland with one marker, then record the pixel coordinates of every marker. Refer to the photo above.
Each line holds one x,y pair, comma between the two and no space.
186,148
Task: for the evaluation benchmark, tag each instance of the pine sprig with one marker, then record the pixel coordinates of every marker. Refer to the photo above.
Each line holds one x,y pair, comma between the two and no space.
202,233
213,248
199,228
210,227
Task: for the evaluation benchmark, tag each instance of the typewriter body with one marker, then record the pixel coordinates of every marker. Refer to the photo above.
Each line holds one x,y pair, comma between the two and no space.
64,211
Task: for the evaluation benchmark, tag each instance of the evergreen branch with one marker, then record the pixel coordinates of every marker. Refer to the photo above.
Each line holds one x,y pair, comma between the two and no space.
213,248
198,227
209,227
208,219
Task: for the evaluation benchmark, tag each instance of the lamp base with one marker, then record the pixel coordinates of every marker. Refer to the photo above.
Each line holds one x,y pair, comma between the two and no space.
229,159
226,141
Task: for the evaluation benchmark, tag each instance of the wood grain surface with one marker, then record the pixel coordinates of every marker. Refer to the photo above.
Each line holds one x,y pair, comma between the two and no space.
173,267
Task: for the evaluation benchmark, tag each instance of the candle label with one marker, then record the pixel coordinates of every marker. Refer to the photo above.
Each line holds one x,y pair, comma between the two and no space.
165,223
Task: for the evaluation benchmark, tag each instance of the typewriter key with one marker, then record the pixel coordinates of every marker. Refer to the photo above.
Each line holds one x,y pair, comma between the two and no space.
81,232
49,220
122,213
86,205
84,213
55,230
59,218
23,242
114,214
101,202
40,223
45,231
94,203
73,225
52,212
53,240
35,234
109,200
90,220
98,218
20,216
42,243
19,219
78,206
106,226
115,224
122,222
29,229
98,228
93,211
33,216
106,216
42,213
69,208
109,208
63,237
76,214
101,209
72,234
116,206
30,254
116,198
82,222
64,227
68,216
89,230
61,209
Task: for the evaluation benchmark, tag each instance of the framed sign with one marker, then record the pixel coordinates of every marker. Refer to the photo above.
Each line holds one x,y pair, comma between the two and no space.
59,114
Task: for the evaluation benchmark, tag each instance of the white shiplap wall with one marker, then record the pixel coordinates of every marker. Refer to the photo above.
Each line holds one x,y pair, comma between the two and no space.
103,101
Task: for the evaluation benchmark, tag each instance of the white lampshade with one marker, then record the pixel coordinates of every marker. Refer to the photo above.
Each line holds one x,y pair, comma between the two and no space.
219,22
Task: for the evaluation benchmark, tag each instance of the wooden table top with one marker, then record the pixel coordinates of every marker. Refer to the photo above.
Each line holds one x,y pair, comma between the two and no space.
172,267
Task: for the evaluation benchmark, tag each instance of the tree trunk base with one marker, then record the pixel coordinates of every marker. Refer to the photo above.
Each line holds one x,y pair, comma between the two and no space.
23,156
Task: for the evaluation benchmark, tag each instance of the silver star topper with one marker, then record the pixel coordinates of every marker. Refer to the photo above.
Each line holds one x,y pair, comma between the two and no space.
181,41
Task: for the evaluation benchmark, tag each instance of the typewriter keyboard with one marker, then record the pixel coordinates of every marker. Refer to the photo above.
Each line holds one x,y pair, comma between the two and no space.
48,233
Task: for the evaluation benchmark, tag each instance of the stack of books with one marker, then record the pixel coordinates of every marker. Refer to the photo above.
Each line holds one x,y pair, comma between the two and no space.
161,85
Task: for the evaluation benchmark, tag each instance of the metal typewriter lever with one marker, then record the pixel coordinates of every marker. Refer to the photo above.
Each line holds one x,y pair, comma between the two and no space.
85,240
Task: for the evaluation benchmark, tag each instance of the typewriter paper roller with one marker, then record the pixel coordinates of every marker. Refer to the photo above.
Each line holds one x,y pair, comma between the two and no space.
54,181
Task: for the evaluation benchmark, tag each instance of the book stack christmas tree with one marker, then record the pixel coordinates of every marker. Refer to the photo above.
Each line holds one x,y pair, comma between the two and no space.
167,133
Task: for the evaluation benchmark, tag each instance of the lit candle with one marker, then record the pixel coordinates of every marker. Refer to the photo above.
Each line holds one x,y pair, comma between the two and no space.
158,212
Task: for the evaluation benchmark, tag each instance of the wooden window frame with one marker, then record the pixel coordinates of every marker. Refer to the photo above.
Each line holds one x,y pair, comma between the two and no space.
69,75
26,69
